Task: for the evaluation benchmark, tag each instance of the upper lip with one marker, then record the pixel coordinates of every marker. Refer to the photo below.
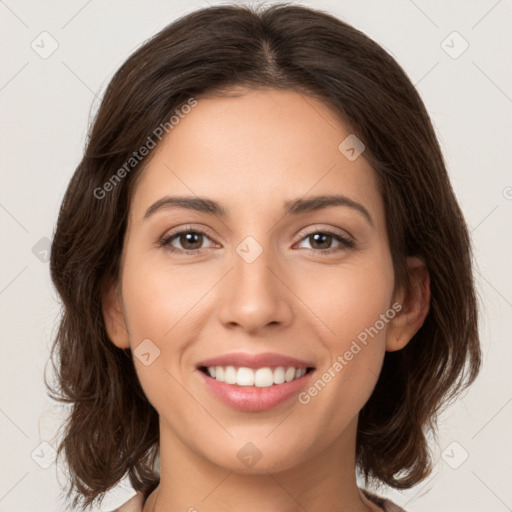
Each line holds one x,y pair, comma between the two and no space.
267,359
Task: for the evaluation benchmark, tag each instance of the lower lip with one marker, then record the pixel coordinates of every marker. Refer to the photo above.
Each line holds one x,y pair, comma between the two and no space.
253,399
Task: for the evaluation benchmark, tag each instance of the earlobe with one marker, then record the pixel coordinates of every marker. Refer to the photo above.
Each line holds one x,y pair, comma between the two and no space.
113,317
415,304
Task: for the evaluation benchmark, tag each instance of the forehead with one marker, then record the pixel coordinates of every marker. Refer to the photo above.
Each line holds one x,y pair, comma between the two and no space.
254,151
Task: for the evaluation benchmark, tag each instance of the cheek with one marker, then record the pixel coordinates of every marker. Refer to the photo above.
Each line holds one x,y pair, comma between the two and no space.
353,348
160,299
353,305
348,299
159,307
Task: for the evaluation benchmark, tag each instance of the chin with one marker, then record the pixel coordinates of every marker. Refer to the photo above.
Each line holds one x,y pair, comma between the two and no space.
256,458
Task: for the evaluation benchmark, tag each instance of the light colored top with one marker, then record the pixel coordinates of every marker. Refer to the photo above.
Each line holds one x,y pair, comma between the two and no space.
136,503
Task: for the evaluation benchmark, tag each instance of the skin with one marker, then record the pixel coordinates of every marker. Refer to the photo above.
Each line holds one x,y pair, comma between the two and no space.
251,153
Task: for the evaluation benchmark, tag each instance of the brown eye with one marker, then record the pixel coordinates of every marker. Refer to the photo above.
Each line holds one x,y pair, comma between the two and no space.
321,241
190,241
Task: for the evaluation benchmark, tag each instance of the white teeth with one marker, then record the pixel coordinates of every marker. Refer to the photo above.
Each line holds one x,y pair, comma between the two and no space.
230,375
289,375
279,375
260,378
263,377
244,377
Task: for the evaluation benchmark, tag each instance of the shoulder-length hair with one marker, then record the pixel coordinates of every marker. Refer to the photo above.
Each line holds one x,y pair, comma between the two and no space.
112,429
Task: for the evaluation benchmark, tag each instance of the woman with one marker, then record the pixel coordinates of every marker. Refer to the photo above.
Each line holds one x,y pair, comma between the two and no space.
266,277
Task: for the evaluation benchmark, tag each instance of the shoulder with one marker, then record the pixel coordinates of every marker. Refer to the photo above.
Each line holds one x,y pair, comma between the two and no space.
134,504
385,504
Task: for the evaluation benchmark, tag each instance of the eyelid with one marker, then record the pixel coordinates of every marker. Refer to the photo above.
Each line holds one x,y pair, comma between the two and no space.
188,227
330,229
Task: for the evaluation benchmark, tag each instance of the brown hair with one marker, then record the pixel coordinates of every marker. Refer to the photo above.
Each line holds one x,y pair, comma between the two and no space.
112,428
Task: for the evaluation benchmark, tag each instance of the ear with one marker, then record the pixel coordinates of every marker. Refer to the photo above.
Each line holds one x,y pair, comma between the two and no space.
113,317
415,302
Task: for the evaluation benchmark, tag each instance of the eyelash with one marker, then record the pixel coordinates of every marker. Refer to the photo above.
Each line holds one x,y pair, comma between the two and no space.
166,240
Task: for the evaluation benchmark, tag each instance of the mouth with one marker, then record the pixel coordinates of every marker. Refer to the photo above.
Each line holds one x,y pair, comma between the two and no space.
263,377
254,382
254,389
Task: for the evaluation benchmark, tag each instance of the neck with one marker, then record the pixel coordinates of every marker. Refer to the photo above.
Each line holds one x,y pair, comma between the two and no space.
324,482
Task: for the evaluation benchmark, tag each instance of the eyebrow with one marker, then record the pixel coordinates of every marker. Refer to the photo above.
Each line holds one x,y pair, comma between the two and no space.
292,207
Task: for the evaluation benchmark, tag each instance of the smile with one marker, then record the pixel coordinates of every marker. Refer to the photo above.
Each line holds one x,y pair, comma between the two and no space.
249,396
260,377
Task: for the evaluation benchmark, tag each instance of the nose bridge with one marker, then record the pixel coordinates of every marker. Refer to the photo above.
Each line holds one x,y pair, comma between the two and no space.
255,296
252,264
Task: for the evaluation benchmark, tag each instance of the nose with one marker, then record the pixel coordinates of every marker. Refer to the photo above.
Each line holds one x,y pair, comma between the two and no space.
255,295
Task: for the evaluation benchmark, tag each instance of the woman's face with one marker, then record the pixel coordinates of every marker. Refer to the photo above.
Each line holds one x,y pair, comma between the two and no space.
268,276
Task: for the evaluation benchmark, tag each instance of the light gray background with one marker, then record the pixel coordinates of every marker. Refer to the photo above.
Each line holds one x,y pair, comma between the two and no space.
45,108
